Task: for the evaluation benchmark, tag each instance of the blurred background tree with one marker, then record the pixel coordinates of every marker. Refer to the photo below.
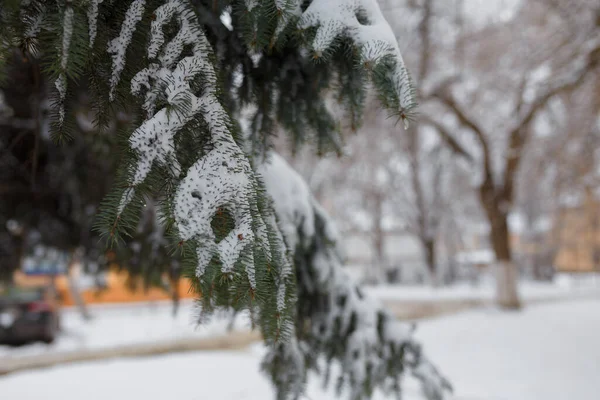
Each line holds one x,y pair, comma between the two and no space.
510,92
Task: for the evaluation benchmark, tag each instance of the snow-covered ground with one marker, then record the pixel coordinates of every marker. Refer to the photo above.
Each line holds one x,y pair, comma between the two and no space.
564,286
112,324
122,325
550,351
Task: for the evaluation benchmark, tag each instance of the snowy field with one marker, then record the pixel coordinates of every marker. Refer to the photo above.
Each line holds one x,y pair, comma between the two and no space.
112,325
118,325
564,286
550,351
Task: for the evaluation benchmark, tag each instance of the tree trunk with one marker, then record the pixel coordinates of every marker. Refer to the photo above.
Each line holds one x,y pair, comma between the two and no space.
506,270
430,260
175,279
74,289
379,262
380,258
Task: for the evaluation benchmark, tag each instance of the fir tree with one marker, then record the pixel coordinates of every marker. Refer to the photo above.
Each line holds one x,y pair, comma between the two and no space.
184,71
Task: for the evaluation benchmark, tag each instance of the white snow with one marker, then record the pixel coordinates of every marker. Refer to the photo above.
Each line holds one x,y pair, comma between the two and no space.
564,287
287,9
92,15
153,321
291,196
547,352
480,256
5,109
66,39
36,24
118,46
61,81
250,4
112,327
223,177
300,216
374,36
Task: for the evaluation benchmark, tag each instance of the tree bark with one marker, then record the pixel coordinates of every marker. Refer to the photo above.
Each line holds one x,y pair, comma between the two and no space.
507,295
75,291
380,257
175,280
430,260
378,237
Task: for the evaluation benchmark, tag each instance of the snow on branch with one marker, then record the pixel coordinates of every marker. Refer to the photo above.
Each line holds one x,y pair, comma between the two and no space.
118,46
92,15
34,24
286,10
371,347
220,180
363,22
61,81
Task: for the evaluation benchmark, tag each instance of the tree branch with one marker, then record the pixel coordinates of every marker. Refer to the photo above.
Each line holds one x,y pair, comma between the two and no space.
447,99
519,135
465,120
425,42
447,137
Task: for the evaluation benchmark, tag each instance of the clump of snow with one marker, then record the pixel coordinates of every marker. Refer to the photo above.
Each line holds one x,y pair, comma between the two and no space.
209,185
5,109
373,332
92,15
220,180
61,81
286,9
290,196
250,4
35,24
371,33
118,46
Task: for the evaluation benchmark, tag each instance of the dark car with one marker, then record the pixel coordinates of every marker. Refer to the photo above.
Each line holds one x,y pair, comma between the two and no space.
28,314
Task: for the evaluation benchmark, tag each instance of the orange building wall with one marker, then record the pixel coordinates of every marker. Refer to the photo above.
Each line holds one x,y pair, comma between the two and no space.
117,290
578,238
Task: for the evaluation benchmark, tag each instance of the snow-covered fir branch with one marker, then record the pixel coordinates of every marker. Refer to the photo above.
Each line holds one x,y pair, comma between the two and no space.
61,81
364,23
343,325
223,178
92,15
118,46
286,9
35,22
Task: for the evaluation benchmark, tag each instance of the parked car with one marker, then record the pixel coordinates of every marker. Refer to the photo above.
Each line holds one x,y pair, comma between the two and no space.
28,314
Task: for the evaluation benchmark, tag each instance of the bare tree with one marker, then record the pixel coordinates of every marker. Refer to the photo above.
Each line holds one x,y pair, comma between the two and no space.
496,140
425,191
421,196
